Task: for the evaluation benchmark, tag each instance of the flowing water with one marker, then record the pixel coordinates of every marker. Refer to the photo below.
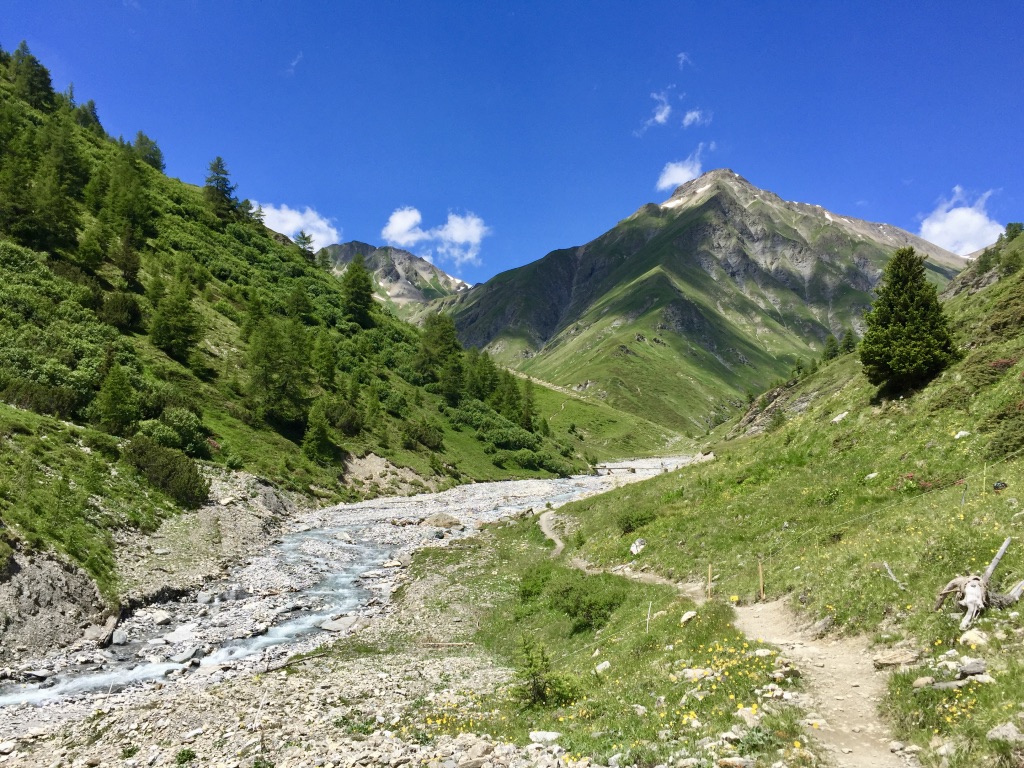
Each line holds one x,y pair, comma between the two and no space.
331,564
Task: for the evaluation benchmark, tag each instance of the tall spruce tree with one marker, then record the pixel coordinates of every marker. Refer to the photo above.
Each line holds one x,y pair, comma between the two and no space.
219,191
907,341
357,292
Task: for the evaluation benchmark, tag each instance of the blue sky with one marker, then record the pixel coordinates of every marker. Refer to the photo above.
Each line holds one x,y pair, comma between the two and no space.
487,134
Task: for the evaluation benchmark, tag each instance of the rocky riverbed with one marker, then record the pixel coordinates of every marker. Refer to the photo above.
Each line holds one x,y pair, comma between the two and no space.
201,670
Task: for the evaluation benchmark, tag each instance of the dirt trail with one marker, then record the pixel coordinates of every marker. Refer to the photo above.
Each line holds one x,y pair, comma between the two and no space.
840,678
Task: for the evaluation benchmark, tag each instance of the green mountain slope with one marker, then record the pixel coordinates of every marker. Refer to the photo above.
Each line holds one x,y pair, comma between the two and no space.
684,308
862,508
153,332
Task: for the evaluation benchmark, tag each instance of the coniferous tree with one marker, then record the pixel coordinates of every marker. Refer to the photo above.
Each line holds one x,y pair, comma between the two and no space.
849,342
831,349
529,406
357,292
148,152
452,380
305,242
219,191
116,406
176,327
325,359
31,79
316,442
907,341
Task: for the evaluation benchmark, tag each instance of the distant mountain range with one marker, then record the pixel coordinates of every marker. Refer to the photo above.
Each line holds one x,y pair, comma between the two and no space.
683,308
402,279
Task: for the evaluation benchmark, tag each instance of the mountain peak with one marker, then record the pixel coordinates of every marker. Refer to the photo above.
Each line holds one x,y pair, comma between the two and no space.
708,184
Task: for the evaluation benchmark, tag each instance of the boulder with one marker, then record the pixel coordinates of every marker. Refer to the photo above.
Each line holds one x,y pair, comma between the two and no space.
974,637
119,637
161,618
101,633
442,520
687,617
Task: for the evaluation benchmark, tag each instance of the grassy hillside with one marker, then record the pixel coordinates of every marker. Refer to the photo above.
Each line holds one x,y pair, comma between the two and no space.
150,328
841,488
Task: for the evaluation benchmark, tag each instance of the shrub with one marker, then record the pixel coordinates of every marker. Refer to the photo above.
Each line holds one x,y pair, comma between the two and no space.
426,434
533,581
169,470
538,685
102,443
121,310
588,600
634,518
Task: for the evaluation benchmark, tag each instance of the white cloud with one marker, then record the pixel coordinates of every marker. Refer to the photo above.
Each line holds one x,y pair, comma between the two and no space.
696,117
403,228
289,221
662,111
457,240
959,225
684,59
682,171
294,63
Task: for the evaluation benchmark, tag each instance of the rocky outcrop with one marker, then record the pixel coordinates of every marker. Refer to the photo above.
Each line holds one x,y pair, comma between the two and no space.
44,603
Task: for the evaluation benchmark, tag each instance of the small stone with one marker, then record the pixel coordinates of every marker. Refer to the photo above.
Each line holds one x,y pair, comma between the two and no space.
922,682
984,679
840,417
602,667
161,618
961,434
640,710
896,746
544,737
7,747
871,476
687,617
120,637
971,667
974,637
344,624
897,657
442,520
637,546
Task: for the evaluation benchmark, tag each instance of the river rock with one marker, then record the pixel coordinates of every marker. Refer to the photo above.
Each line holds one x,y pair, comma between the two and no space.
161,618
186,655
7,747
182,634
100,633
442,520
119,637
344,624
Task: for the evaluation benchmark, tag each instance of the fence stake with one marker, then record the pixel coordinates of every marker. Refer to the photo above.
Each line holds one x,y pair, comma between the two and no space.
649,605
760,578
709,581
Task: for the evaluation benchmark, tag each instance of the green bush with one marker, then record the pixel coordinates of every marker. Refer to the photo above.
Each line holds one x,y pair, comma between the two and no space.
632,519
537,684
168,469
533,581
426,434
588,600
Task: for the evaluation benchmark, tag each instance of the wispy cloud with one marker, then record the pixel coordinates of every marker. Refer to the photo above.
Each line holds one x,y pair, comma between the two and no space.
696,117
682,171
959,225
684,60
293,64
289,221
660,114
458,240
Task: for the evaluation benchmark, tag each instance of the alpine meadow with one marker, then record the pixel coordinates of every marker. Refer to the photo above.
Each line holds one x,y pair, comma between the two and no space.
733,481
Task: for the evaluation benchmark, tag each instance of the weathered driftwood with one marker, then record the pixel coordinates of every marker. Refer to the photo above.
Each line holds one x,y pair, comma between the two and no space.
972,592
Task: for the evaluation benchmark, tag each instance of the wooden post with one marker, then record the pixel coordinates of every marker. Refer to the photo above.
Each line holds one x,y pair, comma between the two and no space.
760,579
649,606
709,581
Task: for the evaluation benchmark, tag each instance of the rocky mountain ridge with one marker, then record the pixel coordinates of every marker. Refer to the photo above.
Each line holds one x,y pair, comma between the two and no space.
721,289
402,279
